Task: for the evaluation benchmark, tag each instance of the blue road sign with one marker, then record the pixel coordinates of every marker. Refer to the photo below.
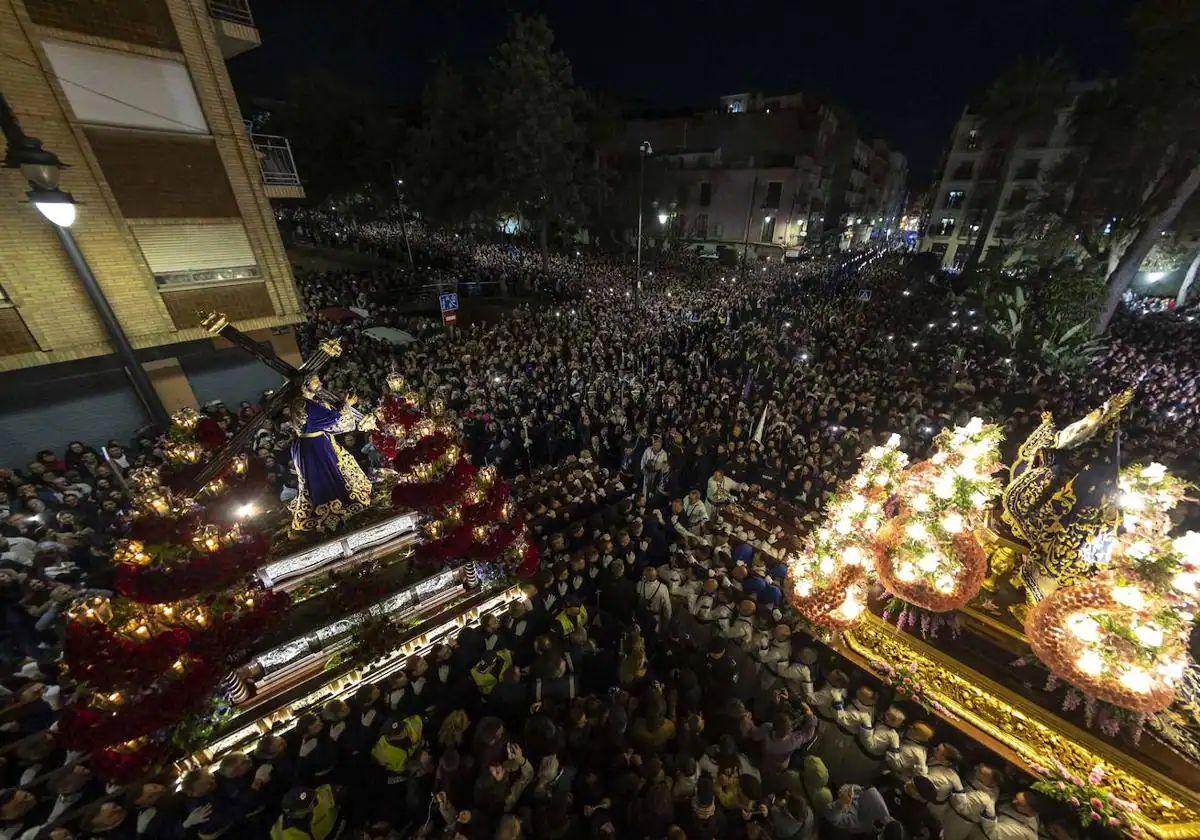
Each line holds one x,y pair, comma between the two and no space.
448,301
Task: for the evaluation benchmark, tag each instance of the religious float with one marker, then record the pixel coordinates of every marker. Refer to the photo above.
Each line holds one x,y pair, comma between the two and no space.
1047,610
233,614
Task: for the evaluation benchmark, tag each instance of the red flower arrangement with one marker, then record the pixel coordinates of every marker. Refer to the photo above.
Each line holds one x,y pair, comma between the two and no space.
430,496
124,766
90,728
423,451
197,573
106,660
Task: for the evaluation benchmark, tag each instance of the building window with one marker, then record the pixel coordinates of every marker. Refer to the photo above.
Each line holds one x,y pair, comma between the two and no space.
1018,198
107,87
705,193
960,257
938,250
955,199
774,192
735,107
197,253
944,227
963,172
971,140
702,226
768,229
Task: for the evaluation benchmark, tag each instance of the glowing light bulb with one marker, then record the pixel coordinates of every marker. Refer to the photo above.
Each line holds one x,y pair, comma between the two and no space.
938,458
851,607
1084,627
1186,582
978,499
1090,663
857,504
1151,635
871,524
906,572
974,426
1154,472
929,562
1137,679
803,588
944,584
1139,550
916,531
1129,596
1173,670
943,487
843,526
854,556
826,565
881,479
952,523
893,440
920,502
1133,501
1189,546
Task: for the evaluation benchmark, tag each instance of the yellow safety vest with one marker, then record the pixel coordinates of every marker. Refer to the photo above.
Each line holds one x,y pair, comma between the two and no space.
486,681
567,625
321,823
394,758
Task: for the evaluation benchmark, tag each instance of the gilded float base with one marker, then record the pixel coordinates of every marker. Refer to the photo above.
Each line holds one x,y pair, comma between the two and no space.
1023,732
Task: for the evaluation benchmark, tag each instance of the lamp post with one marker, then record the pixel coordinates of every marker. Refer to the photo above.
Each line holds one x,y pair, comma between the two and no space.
398,183
643,150
41,169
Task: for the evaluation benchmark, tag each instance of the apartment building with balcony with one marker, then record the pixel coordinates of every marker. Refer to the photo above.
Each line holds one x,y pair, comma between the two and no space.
972,174
751,172
174,214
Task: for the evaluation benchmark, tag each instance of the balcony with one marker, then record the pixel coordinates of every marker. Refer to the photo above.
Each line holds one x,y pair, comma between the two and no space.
234,24
279,174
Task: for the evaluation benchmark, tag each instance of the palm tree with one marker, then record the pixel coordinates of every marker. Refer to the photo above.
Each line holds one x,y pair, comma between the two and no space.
1023,99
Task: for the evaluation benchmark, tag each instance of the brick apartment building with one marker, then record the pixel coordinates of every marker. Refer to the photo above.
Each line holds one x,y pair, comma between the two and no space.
174,215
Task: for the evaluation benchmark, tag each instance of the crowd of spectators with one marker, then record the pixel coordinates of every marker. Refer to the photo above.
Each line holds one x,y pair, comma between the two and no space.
655,683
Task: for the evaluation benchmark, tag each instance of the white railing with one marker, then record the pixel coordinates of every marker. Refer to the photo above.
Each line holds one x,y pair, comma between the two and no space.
275,159
236,11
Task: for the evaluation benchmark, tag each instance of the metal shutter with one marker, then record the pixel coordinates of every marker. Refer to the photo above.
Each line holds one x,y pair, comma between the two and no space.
184,247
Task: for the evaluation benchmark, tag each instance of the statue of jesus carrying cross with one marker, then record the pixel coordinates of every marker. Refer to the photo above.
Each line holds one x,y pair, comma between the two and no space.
332,487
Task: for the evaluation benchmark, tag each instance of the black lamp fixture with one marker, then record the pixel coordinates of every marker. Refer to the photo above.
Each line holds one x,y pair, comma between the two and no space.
40,167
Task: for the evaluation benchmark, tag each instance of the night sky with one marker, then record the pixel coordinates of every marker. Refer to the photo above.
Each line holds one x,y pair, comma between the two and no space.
904,69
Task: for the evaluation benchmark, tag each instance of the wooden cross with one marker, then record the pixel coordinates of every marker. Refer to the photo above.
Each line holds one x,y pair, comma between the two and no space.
328,349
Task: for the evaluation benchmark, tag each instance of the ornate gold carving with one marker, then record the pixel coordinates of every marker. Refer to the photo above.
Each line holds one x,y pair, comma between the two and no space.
330,347
1025,731
214,322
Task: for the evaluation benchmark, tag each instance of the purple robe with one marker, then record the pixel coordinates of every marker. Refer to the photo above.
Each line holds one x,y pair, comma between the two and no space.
332,486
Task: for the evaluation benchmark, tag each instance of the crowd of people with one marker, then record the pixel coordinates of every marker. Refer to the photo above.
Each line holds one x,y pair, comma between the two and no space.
655,683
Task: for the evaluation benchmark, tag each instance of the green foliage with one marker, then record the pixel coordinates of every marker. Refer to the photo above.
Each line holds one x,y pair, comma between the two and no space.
534,124
197,730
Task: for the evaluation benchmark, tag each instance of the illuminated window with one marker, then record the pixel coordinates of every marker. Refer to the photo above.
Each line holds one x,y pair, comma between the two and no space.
955,198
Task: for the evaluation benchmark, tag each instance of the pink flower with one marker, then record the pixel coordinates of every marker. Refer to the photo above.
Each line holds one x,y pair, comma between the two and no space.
1113,821
1062,785
1074,802
1096,803
1095,817
1097,775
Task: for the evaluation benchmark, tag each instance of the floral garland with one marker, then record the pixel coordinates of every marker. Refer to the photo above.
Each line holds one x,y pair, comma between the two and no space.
902,681
436,495
927,554
1094,804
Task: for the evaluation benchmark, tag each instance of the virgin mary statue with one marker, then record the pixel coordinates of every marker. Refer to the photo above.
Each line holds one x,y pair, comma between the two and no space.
332,487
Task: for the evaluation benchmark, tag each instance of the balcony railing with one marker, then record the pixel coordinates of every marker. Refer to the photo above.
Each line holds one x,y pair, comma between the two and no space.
275,158
236,11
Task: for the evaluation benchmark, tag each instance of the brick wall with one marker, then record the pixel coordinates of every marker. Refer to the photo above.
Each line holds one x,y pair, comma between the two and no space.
144,22
240,302
154,175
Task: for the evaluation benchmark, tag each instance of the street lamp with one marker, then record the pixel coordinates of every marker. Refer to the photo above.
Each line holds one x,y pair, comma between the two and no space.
398,183
643,150
41,169
662,219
